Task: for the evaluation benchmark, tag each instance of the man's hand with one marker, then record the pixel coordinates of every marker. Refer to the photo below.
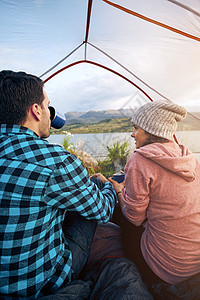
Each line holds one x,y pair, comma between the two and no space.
100,176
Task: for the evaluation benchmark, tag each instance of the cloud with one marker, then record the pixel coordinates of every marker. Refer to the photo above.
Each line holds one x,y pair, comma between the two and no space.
88,88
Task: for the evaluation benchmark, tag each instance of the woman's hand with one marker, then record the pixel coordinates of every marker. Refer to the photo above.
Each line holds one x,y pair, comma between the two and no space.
100,176
118,187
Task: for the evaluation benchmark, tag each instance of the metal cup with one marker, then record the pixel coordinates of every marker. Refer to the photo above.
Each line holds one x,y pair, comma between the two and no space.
57,119
119,177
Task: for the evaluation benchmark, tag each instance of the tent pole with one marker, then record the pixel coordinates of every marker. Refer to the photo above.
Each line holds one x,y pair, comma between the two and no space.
88,19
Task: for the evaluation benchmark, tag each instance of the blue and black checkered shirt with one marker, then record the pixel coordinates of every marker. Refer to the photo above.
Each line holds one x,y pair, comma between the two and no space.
38,182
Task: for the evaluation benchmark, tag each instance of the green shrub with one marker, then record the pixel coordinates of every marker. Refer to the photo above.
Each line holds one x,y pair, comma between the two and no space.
116,159
114,162
67,143
106,167
118,153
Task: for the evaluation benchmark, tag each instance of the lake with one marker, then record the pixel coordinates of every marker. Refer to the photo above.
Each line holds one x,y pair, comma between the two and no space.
95,143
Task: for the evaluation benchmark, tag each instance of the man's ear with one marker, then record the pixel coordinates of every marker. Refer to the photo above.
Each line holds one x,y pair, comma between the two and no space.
36,111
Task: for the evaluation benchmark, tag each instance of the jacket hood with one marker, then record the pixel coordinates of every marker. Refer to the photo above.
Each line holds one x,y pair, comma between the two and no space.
171,156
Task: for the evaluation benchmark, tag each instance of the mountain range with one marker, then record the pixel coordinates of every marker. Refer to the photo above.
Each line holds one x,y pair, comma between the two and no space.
192,121
93,116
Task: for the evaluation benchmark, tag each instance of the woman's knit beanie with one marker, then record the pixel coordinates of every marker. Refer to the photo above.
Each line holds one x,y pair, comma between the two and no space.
159,118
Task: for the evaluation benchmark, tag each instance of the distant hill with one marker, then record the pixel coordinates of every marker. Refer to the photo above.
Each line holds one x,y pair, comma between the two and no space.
113,121
93,116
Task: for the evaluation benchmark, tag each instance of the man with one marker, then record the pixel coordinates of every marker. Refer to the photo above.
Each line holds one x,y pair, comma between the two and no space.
48,207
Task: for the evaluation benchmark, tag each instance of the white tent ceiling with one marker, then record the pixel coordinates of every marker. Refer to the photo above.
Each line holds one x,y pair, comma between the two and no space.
152,44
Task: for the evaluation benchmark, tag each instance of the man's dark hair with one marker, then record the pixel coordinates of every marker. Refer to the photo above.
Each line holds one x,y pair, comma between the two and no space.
18,91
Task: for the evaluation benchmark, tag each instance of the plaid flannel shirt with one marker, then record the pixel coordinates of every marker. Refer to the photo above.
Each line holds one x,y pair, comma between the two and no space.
39,181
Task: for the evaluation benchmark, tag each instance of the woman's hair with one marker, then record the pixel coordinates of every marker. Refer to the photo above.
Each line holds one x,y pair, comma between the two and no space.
155,139
18,91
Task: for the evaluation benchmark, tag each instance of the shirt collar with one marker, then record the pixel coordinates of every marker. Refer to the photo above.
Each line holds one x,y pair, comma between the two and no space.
12,129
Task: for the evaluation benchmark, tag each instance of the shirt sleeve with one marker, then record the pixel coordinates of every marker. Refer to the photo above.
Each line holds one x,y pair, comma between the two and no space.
136,192
70,188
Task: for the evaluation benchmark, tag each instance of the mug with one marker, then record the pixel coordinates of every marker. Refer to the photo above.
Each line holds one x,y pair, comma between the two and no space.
119,177
57,119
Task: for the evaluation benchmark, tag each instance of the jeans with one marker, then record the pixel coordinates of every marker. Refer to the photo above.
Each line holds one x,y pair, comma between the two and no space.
79,233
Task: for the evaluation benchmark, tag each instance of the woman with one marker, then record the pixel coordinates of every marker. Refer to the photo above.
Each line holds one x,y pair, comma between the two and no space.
160,195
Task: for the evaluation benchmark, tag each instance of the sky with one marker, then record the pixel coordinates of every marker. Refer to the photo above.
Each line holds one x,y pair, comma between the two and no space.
36,34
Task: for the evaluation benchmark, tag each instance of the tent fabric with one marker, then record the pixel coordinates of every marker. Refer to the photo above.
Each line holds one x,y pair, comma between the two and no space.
156,22
118,48
36,35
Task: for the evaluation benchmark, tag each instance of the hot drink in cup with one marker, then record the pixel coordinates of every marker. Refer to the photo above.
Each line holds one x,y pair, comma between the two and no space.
119,177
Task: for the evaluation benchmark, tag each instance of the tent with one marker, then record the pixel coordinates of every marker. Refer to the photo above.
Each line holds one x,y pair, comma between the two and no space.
97,54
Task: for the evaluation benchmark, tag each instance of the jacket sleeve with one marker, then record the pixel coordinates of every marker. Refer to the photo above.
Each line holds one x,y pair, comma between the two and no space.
70,188
136,192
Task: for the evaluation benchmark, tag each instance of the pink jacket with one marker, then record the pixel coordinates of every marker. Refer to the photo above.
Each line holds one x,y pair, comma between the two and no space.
162,184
